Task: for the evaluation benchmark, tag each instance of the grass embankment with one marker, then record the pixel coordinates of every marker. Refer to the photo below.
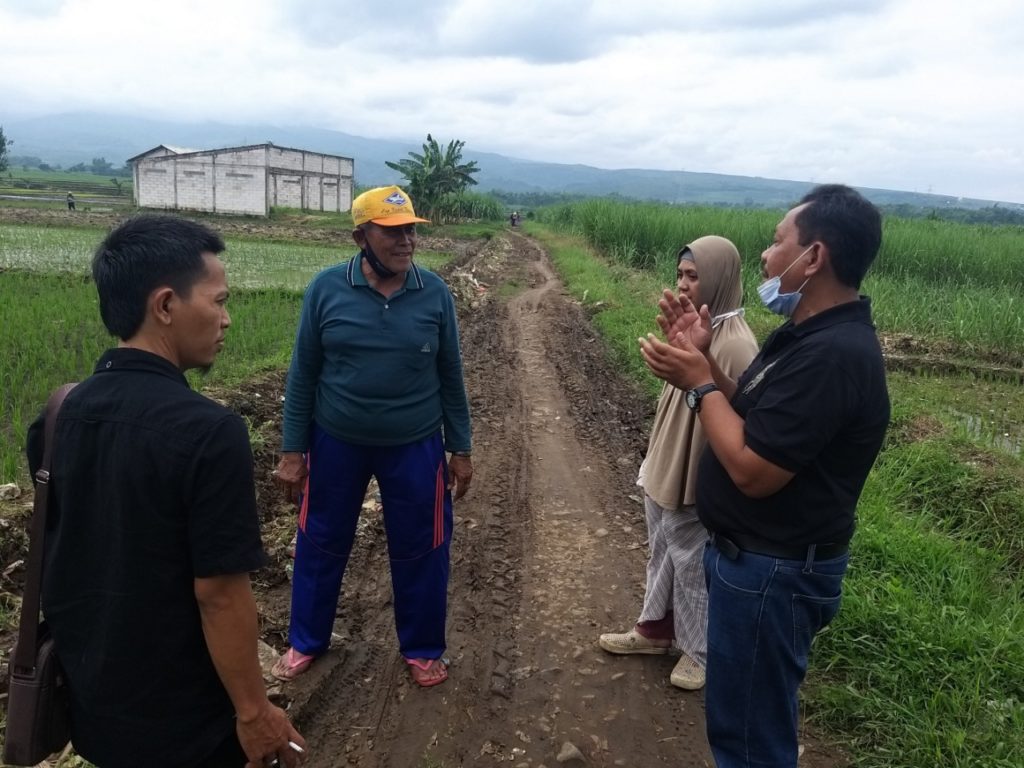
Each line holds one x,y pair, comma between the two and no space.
924,666
51,333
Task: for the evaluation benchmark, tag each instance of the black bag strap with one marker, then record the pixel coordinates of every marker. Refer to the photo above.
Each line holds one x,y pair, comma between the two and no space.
28,629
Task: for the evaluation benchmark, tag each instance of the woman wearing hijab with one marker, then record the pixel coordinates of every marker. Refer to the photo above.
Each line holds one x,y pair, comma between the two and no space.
675,600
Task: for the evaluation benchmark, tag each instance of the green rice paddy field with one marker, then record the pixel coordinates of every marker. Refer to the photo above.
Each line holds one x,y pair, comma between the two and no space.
50,329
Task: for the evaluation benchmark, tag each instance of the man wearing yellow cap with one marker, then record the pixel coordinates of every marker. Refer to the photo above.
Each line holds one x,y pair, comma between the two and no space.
375,388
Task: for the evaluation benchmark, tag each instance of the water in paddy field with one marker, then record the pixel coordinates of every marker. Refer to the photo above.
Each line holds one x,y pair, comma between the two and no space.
986,431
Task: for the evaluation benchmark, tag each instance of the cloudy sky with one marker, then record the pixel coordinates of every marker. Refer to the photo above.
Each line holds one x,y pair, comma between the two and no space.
921,95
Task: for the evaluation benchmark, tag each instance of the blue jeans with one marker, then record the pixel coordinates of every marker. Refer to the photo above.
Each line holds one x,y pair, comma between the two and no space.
763,613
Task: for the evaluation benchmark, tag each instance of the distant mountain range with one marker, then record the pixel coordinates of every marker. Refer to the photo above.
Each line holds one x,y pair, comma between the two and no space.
73,138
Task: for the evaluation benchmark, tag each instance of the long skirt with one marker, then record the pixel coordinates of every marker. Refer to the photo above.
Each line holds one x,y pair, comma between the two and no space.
675,576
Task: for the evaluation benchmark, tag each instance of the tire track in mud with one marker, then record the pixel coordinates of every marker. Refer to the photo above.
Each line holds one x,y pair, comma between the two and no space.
360,708
491,533
584,570
547,553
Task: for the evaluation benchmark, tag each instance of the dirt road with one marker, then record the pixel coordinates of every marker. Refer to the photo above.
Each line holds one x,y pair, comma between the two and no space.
547,553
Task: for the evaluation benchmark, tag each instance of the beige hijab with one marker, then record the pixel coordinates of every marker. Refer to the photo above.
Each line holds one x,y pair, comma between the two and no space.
669,472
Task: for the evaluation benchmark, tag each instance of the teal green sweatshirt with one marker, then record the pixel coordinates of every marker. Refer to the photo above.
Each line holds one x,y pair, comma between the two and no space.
376,371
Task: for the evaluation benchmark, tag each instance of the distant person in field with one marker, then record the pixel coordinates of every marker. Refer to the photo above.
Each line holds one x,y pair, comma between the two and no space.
153,529
674,610
375,388
513,218
71,202
791,444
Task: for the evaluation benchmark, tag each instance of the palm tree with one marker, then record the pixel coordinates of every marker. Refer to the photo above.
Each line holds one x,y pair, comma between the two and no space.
435,173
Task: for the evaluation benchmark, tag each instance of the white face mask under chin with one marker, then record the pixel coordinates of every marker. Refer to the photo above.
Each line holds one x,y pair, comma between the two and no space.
717,320
782,303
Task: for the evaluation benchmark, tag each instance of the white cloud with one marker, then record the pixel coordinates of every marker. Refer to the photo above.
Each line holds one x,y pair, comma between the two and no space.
907,94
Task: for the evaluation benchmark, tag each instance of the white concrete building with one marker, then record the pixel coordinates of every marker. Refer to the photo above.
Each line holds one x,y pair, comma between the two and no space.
241,179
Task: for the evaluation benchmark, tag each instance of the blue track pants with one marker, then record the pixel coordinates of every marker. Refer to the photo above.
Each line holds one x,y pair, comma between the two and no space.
413,482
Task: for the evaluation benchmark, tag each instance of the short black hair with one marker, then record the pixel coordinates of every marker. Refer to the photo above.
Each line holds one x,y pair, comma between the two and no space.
848,223
143,254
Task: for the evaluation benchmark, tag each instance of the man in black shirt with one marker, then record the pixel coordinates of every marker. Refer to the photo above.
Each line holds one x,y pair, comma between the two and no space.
153,529
791,444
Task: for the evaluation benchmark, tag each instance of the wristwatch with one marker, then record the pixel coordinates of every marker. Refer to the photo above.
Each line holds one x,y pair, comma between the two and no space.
694,396
462,454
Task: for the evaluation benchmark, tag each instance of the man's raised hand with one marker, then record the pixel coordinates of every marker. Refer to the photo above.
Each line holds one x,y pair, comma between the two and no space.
680,316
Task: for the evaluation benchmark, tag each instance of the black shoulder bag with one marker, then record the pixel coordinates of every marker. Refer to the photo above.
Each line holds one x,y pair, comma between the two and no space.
37,694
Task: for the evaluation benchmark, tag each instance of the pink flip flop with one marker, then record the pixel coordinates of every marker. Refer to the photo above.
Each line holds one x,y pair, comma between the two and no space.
420,669
291,664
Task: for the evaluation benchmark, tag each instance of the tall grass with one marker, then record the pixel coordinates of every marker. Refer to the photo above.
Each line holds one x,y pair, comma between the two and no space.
649,235
949,253
942,280
466,206
978,320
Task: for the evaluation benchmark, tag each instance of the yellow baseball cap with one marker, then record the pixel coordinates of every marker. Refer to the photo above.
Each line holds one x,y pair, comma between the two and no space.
386,206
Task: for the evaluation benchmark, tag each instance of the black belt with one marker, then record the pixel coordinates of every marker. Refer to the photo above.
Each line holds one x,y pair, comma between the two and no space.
734,543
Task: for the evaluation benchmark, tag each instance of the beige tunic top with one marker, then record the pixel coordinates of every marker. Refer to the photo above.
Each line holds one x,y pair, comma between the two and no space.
668,474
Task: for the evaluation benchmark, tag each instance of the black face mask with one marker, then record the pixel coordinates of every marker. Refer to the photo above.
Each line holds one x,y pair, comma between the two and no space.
376,264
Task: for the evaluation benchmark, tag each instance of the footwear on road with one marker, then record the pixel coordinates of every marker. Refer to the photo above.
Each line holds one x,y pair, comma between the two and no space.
688,674
291,664
633,642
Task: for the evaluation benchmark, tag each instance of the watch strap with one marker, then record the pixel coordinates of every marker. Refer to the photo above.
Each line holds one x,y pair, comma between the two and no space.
697,395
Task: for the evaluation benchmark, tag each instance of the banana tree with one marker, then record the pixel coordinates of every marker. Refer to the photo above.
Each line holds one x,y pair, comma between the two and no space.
435,172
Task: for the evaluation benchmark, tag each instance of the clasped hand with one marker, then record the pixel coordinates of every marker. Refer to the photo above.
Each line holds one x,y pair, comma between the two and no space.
681,360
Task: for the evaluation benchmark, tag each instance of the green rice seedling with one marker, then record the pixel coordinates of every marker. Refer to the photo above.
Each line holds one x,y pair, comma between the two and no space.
324,220
46,249
51,331
978,320
35,204
251,263
55,177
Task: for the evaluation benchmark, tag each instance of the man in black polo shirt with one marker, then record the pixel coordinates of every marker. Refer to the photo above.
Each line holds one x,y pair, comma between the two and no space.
791,443
153,528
